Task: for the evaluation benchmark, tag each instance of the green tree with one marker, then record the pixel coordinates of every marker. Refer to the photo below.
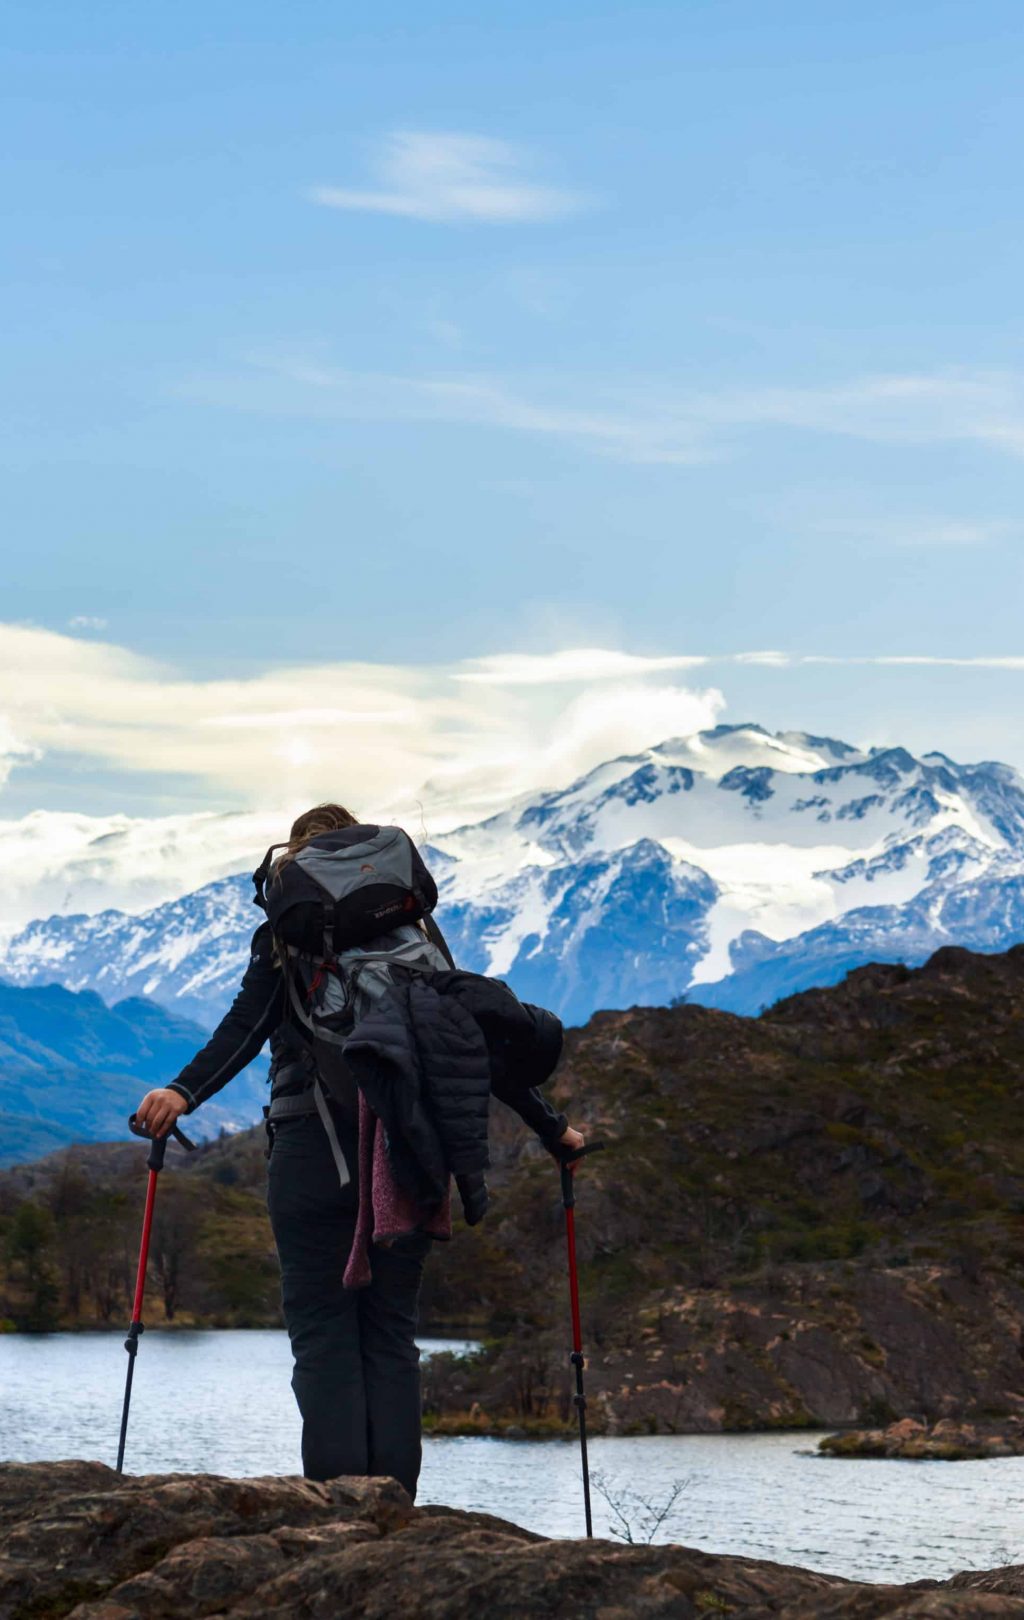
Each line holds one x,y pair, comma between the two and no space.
29,1251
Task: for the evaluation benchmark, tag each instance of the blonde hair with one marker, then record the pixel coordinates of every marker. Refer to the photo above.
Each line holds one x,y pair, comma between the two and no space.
321,819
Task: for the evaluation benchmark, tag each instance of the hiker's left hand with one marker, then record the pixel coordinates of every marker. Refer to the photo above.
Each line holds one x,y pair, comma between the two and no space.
571,1139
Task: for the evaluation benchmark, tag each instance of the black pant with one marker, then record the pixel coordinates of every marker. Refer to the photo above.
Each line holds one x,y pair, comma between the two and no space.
356,1375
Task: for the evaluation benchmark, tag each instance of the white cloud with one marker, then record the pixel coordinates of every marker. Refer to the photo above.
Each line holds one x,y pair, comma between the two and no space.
574,664
86,621
259,741
461,738
637,422
60,861
14,750
769,658
449,178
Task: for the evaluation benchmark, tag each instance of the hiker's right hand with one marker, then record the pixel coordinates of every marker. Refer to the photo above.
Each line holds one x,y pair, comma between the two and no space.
159,1110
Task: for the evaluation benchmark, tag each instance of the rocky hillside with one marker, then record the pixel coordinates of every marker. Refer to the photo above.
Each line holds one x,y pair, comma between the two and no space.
812,1217
79,1541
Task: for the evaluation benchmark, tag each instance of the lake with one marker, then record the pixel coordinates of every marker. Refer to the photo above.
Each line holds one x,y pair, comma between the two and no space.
220,1402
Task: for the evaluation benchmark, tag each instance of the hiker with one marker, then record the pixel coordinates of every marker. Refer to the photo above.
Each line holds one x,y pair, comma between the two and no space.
358,1173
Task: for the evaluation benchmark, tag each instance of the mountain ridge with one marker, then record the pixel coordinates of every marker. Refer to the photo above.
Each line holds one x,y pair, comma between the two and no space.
73,1068
729,867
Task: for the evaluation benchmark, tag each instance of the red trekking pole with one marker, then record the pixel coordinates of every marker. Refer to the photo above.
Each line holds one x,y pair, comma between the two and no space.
155,1164
568,1163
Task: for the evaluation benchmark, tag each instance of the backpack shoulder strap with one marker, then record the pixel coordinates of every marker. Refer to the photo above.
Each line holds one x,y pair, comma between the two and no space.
259,877
436,937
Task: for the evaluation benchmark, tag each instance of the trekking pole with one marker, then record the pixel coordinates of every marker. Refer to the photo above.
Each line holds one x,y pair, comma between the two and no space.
568,1163
155,1163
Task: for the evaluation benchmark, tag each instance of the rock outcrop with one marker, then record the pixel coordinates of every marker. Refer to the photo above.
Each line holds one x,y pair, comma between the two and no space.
945,1441
78,1541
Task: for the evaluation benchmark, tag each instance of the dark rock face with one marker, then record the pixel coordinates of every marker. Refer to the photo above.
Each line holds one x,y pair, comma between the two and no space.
79,1541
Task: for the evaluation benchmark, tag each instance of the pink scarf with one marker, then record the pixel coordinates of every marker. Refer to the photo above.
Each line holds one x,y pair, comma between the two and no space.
385,1211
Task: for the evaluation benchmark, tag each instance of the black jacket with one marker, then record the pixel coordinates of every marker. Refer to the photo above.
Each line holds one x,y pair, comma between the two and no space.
524,1043
427,1057
260,1012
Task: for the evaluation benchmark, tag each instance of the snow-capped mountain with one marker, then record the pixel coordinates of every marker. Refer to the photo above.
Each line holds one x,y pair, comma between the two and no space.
733,866
57,861
187,953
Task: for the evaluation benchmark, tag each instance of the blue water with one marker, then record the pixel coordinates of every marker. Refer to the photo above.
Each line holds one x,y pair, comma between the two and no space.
221,1403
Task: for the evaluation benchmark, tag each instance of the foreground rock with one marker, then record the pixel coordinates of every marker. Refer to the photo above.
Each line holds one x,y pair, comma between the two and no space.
76,1540
945,1441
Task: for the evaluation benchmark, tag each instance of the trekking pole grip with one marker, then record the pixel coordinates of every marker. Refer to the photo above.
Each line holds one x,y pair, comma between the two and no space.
567,1163
158,1144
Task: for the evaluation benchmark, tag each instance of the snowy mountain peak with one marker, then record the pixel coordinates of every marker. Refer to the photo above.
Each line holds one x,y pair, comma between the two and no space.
733,865
724,747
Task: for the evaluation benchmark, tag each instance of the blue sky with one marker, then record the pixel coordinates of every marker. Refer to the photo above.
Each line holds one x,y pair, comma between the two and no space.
415,335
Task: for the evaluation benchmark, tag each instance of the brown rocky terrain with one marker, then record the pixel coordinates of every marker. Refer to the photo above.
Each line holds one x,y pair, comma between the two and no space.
79,1541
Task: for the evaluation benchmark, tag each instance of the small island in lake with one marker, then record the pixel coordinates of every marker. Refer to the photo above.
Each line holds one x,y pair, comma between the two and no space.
948,1440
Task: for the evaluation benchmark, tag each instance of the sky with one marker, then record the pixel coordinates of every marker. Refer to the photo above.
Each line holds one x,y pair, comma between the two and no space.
462,393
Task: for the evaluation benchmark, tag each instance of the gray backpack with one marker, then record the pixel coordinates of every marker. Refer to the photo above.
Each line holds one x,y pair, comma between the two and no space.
350,912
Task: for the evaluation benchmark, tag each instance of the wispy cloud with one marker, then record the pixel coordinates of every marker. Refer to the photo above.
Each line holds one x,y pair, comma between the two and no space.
1011,661
451,178
296,387
86,621
642,423
574,664
922,530
768,659
958,406
463,737
782,660
450,742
